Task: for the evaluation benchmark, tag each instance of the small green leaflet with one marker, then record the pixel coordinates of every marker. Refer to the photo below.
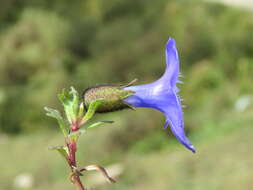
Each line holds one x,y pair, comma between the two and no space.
56,114
63,150
70,99
98,124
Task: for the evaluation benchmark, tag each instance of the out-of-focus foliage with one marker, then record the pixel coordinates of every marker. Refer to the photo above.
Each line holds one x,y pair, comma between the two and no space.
32,62
49,45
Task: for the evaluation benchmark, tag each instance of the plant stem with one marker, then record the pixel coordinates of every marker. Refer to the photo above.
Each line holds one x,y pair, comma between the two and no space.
75,178
78,183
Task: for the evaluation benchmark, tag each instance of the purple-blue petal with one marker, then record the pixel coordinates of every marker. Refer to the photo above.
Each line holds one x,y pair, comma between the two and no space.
172,63
162,95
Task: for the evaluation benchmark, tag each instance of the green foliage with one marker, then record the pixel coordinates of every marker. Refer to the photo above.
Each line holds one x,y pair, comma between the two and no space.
47,46
74,112
32,57
63,150
92,109
56,114
70,102
99,123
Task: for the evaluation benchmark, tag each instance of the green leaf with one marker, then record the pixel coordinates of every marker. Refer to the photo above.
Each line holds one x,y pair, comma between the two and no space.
70,99
81,110
99,123
92,109
75,99
56,114
63,150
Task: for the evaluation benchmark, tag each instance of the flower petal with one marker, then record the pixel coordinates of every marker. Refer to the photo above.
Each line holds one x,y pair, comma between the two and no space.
172,63
174,118
166,102
162,95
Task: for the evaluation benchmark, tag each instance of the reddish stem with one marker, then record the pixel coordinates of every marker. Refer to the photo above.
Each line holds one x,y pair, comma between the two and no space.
75,178
75,125
78,183
72,153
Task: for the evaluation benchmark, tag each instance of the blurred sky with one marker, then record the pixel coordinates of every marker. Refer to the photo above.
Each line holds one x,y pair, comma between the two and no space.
248,4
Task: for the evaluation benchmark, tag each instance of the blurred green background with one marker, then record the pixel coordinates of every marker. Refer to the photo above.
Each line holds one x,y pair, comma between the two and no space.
49,45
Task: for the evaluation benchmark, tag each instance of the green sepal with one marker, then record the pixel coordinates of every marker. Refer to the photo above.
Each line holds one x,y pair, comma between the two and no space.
70,99
63,150
98,124
129,84
56,114
126,93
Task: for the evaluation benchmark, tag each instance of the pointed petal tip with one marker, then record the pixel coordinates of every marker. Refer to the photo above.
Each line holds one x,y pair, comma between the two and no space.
185,142
170,43
171,39
172,63
192,148
188,145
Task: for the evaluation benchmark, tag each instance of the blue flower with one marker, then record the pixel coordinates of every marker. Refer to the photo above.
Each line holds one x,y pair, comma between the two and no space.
163,95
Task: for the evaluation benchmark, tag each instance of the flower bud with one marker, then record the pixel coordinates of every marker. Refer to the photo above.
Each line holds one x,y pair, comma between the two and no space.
111,96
